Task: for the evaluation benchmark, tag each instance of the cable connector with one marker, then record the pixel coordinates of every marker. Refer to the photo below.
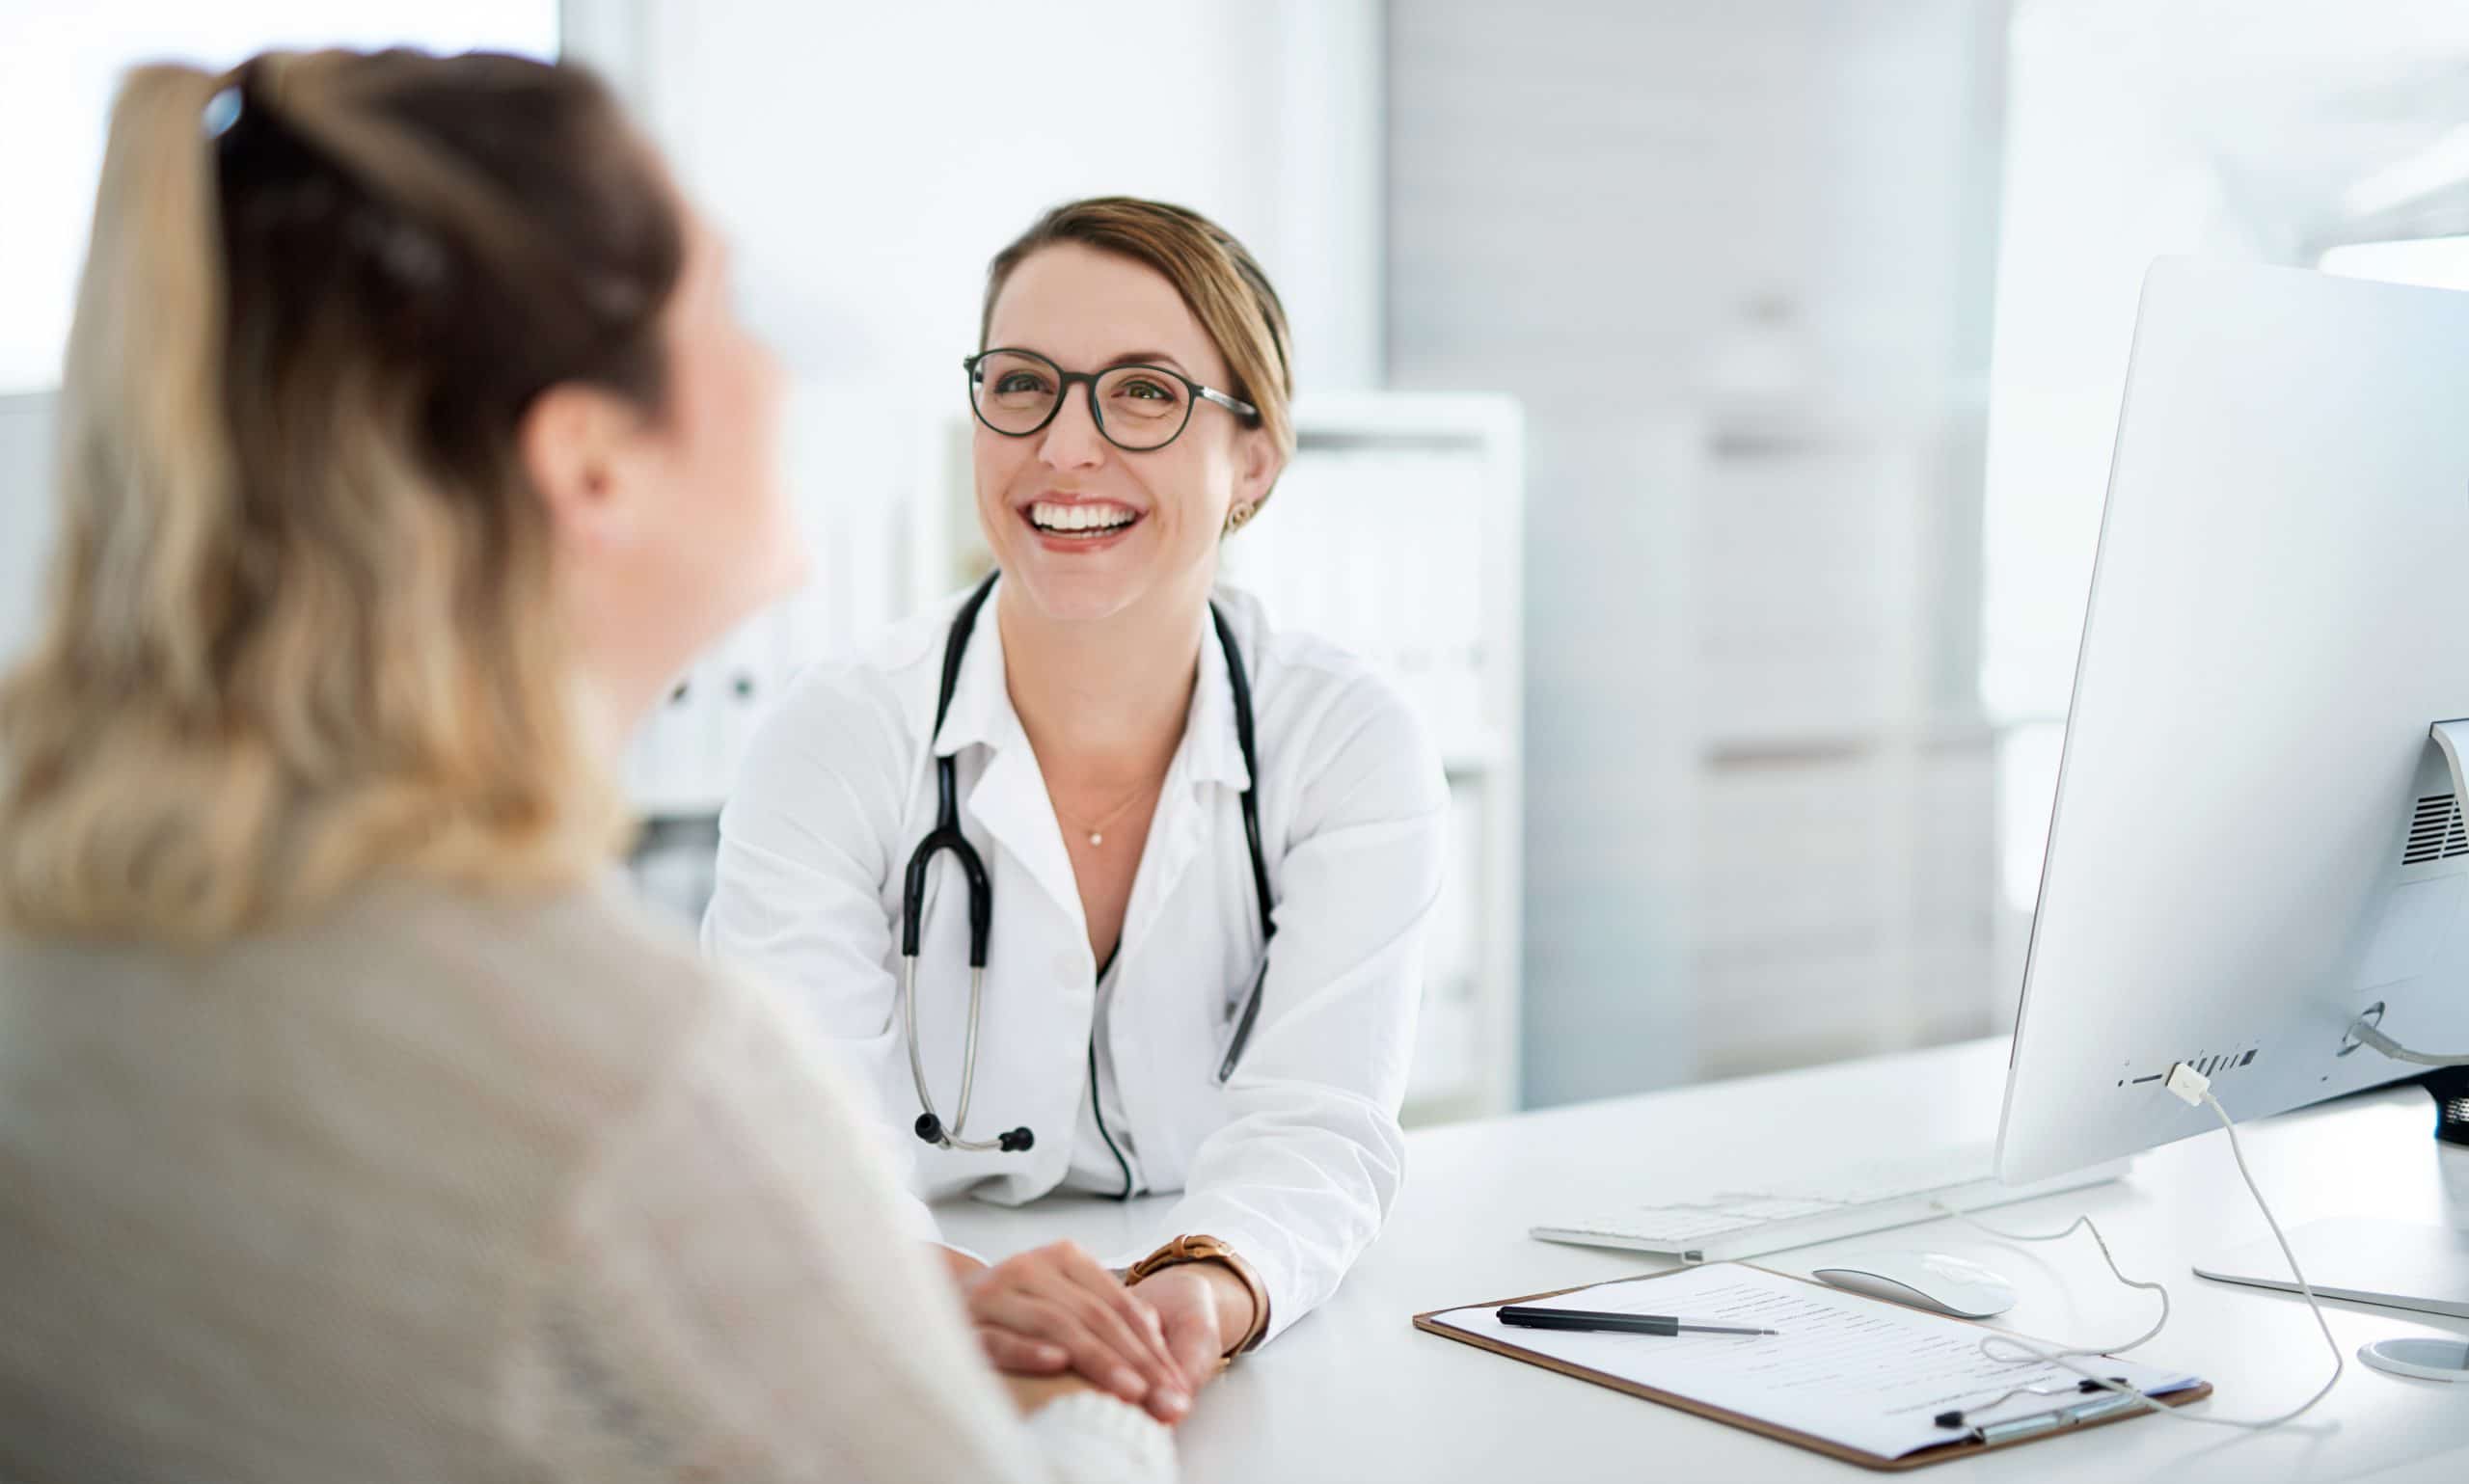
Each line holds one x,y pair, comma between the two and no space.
2189,1083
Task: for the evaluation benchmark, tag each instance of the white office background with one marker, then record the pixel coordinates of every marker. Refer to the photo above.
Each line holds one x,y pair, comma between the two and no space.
1803,321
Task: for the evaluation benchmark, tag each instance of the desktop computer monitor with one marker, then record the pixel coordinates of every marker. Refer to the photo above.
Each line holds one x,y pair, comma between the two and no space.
2258,835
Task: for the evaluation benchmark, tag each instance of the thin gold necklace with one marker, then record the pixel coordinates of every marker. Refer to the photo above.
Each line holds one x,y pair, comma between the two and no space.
1096,832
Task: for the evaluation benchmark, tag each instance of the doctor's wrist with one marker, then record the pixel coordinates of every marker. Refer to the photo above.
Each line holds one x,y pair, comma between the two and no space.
1236,1307
1240,1299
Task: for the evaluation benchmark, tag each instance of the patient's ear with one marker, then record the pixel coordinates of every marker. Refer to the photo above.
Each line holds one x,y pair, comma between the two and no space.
582,452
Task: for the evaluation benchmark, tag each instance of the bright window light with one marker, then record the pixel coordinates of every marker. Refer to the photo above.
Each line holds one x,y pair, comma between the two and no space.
2442,164
60,65
2433,262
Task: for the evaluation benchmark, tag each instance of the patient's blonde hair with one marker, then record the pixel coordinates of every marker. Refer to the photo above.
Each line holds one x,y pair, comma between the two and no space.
302,627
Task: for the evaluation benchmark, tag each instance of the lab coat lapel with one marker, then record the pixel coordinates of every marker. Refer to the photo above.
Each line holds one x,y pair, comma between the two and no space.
1010,801
1208,759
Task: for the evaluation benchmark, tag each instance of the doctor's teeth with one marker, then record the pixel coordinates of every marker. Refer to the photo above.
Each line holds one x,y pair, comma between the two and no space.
1048,516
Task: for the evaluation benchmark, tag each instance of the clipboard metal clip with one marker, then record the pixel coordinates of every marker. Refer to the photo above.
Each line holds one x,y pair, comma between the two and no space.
2041,1422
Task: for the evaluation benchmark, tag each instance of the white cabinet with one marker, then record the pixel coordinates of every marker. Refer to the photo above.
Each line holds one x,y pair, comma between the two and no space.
859,473
1838,859
1398,533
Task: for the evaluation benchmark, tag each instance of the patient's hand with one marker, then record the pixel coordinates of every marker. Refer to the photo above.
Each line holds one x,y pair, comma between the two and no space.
1057,1309
1030,1392
1198,1303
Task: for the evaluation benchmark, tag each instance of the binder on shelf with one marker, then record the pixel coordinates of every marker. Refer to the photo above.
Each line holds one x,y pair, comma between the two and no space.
659,754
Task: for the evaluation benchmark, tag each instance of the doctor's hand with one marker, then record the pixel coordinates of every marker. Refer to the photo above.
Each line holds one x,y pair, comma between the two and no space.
1058,1309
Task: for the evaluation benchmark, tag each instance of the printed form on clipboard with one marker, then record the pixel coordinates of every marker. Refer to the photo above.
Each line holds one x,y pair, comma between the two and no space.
1854,1377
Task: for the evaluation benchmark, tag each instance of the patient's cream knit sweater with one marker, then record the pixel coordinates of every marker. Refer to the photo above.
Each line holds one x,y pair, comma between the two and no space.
449,1188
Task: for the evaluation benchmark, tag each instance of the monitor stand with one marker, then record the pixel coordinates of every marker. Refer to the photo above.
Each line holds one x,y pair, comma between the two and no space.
2395,1264
2449,1086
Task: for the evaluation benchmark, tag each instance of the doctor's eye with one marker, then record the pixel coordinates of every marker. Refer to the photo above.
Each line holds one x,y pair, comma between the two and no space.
1145,394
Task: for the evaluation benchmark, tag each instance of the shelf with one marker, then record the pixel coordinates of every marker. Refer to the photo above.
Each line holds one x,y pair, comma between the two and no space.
659,807
1751,749
1462,757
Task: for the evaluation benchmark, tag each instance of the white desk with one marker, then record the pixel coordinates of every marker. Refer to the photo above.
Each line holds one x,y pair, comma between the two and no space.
1355,1393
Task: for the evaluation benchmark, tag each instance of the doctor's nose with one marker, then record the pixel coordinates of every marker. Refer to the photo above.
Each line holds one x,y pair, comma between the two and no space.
1071,440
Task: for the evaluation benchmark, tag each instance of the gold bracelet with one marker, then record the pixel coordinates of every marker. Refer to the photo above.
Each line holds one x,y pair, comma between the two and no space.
1195,1247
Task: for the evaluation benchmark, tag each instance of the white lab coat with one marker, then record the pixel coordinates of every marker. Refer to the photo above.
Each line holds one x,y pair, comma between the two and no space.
1296,1159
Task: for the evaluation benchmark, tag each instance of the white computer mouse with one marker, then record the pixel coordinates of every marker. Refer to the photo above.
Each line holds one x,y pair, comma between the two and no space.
1937,1281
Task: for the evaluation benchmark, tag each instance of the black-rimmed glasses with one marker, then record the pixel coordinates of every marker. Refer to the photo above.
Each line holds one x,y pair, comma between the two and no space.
1138,408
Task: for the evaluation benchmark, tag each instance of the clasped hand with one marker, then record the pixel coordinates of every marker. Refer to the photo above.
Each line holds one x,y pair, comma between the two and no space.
1057,1309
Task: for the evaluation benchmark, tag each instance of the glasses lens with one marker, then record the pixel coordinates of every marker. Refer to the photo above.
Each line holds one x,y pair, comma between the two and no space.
1015,390
1143,408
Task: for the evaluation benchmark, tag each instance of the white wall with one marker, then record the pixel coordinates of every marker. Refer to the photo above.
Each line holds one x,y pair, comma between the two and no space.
60,66
868,159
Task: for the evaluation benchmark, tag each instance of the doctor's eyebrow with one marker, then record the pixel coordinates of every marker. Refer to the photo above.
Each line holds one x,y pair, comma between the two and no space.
1145,358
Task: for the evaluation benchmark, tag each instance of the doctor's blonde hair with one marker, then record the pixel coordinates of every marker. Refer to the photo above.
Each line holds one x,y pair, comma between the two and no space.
301,626
1218,278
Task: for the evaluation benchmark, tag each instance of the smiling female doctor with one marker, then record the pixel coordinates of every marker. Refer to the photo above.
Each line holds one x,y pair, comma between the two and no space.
1209,849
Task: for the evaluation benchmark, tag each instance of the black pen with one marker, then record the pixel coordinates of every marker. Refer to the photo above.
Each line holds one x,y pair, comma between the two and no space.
1526,1316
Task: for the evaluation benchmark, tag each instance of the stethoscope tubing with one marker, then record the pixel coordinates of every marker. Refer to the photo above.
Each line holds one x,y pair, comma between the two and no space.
946,835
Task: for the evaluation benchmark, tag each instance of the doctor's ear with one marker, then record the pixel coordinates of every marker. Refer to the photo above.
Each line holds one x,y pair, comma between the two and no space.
1258,464
582,446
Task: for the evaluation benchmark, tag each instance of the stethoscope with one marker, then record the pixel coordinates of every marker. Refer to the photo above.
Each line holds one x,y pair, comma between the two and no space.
946,836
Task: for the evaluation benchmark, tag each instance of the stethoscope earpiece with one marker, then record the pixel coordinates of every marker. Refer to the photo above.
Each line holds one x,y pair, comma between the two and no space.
930,1128
1017,1141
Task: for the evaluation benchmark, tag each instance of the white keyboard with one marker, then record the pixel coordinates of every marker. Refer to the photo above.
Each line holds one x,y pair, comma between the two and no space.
1847,1200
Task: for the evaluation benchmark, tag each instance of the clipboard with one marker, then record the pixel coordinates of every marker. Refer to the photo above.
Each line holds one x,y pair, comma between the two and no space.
1960,1447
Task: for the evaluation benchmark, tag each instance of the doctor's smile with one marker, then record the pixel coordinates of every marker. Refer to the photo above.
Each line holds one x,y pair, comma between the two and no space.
1076,523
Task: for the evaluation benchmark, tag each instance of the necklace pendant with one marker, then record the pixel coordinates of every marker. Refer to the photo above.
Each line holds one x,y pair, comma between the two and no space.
1095,838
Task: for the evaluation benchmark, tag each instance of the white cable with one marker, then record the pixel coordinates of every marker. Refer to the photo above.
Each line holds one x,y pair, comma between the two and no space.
2366,1032
2079,1224
2192,1087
